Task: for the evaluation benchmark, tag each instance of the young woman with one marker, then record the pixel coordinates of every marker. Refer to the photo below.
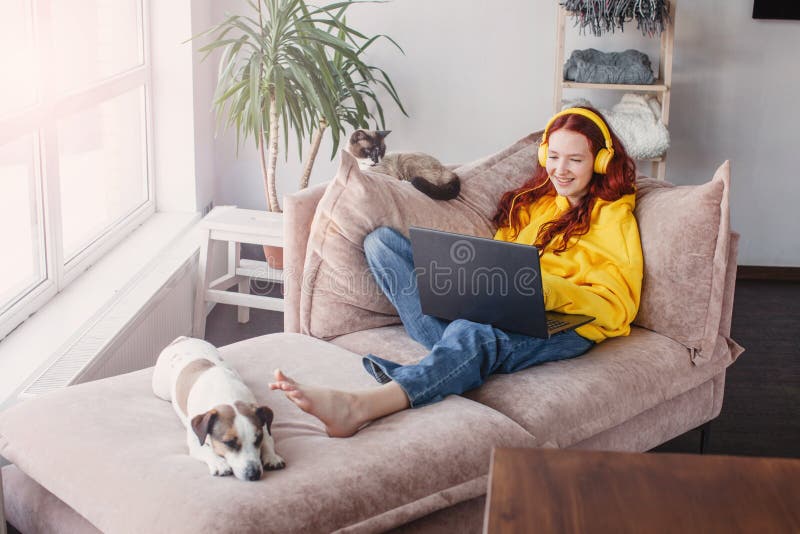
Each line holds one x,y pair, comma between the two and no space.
578,210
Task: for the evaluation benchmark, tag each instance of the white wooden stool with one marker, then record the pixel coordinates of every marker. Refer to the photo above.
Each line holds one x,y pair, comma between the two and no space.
237,226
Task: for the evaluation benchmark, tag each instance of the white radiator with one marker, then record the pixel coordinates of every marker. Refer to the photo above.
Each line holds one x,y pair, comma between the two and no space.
131,331
167,316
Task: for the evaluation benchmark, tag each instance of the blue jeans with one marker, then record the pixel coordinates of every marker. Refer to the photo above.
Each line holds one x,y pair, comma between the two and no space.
462,353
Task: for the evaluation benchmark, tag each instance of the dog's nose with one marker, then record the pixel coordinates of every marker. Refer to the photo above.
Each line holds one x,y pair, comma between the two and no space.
253,472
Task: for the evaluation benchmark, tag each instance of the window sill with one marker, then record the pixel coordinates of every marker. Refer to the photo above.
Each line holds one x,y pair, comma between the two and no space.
29,349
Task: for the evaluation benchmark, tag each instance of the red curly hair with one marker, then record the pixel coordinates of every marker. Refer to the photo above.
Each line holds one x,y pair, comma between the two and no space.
618,181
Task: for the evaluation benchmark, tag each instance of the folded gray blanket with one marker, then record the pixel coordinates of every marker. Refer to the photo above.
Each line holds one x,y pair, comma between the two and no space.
592,66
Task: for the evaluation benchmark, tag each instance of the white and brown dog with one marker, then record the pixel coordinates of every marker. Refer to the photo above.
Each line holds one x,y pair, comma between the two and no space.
225,427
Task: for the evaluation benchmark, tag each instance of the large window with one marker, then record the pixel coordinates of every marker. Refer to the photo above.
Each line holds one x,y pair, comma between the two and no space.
74,141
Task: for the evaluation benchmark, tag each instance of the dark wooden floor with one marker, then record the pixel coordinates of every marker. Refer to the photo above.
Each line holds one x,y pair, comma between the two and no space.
761,408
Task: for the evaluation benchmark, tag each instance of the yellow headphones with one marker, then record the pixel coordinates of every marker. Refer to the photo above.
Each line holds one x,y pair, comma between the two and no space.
603,157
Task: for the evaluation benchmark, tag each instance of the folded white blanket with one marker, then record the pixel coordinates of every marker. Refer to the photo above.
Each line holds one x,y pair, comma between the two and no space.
636,120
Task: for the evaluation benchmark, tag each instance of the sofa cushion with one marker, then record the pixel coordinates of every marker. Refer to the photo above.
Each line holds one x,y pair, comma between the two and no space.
563,403
390,342
116,454
339,294
685,234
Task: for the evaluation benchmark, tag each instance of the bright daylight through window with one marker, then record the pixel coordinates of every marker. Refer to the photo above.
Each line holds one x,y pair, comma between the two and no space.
74,154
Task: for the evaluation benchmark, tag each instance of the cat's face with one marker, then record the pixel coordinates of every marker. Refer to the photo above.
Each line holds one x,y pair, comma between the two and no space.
368,147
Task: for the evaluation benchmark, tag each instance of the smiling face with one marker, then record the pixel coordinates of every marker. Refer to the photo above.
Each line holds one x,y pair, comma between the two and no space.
570,163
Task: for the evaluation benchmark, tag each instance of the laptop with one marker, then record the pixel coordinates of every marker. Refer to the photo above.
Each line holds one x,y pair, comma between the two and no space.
485,281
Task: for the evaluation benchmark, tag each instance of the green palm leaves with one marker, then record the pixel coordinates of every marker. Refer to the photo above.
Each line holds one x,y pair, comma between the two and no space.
299,67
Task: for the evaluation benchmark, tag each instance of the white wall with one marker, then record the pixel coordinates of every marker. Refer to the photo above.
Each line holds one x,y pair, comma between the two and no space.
173,123
463,101
183,144
736,85
205,76
478,75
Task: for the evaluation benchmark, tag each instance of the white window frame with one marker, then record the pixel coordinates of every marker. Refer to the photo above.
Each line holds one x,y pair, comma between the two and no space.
41,121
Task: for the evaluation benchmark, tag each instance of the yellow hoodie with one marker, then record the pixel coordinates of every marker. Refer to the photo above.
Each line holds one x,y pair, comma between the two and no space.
600,274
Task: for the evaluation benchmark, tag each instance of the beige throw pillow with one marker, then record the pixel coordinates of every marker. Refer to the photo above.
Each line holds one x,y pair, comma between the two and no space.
685,232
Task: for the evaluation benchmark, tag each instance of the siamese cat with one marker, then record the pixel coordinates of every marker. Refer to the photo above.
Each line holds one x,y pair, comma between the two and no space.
424,172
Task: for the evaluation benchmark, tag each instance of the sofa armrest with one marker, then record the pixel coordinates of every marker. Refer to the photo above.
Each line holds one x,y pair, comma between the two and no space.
2,512
298,212
730,287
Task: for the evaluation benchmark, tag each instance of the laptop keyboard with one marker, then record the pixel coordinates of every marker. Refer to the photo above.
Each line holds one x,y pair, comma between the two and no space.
552,324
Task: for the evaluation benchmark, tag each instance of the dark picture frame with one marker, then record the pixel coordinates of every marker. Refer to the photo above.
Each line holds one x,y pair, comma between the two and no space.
776,9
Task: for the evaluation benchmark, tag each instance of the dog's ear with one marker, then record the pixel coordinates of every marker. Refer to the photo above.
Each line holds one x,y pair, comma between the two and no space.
265,415
203,424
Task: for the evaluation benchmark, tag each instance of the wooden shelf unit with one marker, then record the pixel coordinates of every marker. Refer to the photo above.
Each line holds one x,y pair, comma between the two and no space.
661,88
658,87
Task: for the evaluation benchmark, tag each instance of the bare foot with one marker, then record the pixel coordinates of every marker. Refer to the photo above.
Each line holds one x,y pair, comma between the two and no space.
338,410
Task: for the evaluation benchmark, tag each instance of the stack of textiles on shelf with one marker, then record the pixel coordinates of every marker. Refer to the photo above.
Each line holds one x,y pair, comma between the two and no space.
604,16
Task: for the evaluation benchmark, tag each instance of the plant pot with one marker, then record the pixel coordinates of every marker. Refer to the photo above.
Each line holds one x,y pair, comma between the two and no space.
274,256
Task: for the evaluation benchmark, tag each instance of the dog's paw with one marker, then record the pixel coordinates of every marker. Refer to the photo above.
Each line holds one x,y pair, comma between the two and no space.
219,467
274,463
221,470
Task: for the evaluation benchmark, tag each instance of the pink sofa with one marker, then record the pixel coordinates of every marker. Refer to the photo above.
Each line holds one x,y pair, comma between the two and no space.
120,464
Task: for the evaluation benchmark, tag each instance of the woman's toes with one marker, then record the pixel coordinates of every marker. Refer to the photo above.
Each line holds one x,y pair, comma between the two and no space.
281,377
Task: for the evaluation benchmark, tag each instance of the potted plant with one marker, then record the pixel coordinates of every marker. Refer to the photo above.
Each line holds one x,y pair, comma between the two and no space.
295,67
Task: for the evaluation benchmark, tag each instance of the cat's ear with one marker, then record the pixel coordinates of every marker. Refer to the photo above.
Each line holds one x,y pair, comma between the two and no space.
358,135
383,133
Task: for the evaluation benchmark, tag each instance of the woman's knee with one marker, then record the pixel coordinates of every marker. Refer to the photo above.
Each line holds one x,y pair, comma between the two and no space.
380,238
464,326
